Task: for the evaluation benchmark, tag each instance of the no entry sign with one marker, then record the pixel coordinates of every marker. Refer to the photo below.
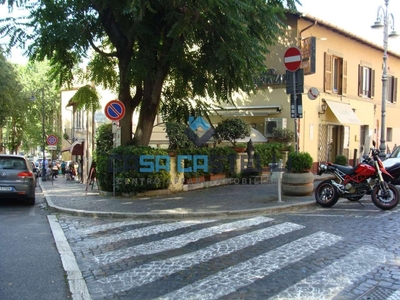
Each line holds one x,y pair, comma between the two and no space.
292,59
115,110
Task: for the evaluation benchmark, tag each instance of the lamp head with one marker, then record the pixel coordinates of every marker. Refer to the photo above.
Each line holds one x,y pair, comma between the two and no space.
393,34
378,24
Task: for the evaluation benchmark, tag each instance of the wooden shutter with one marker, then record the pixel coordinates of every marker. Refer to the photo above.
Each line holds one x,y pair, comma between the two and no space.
328,73
394,89
360,80
344,77
372,84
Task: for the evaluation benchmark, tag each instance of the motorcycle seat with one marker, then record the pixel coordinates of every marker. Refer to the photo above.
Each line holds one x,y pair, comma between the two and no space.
345,169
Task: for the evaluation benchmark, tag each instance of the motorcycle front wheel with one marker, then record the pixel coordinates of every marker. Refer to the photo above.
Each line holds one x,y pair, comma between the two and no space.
326,194
384,200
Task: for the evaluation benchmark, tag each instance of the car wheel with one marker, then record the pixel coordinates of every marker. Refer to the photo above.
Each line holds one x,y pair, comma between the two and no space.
30,201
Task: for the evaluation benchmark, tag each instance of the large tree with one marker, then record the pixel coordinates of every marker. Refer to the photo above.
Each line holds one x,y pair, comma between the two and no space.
179,49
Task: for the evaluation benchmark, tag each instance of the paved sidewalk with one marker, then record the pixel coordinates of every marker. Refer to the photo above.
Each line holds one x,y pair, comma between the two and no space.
221,201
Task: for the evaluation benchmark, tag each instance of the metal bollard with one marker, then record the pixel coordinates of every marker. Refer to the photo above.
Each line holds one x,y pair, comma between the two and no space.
280,171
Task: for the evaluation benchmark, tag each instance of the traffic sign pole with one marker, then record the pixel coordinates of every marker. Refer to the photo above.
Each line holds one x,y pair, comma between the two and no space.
292,61
296,138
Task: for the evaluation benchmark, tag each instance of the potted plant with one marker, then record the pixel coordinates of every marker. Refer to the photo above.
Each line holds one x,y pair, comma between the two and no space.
341,160
297,180
282,135
231,130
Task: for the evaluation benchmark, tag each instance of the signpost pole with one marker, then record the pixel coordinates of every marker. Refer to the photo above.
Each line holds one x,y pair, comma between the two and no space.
295,111
292,60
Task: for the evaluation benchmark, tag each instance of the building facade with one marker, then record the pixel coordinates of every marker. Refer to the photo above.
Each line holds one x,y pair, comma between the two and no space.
346,70
342,120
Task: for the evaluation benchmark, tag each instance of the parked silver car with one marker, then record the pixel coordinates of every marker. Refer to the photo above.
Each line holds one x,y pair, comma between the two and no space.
392,158
17,180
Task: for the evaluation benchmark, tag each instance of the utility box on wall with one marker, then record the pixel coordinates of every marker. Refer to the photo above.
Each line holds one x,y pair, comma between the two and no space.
271,123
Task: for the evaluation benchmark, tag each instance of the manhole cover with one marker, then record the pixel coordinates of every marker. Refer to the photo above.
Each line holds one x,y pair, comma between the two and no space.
379,293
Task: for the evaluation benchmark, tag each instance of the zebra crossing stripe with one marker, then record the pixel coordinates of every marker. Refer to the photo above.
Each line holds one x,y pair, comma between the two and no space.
328,282
154,270
176,241
137,233
245,273
109,226
394,296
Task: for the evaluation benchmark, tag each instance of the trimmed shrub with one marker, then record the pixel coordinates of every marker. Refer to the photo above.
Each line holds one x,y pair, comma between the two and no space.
341,160
267,153
300,162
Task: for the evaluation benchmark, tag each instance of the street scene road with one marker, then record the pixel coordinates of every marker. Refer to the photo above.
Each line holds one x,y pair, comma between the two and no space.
349,251
30,265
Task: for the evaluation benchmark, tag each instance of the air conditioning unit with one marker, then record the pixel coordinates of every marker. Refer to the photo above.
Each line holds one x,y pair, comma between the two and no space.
271,123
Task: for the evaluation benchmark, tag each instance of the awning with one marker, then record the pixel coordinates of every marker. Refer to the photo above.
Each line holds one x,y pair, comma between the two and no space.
343,112
66,149
242,111
255,137
77,148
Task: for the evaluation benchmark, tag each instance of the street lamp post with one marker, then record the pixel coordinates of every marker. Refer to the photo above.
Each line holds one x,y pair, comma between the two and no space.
43,136
388,19
44,140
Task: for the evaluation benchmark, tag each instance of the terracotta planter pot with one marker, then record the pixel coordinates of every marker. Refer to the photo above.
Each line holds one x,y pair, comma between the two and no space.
218,176
297,184
239,149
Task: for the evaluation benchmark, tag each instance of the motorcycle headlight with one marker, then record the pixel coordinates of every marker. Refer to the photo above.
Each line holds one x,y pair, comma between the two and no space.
323,167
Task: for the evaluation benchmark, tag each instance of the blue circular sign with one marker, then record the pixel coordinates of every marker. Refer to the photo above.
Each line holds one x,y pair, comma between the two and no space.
52,140
115,110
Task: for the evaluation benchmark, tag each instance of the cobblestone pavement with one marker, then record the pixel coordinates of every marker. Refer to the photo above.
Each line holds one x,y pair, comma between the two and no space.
349,251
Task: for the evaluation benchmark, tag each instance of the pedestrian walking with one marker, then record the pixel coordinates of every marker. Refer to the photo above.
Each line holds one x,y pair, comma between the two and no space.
63,166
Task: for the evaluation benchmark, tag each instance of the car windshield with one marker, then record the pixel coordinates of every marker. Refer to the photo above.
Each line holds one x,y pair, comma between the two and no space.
395,153
12,163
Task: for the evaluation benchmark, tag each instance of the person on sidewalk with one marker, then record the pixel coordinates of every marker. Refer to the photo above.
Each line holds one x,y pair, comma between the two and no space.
49,172
70,173
54,170
63,167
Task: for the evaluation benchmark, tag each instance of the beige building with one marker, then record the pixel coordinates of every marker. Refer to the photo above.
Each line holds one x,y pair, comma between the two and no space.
79,129
347,72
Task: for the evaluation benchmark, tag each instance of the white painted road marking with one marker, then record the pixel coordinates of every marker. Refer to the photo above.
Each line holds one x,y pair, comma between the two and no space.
137,233
243,274
327,283
104,227
176,241
152,271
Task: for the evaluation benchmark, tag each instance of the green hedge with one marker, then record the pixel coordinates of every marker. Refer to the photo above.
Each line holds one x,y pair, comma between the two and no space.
267,153
131,180
218,160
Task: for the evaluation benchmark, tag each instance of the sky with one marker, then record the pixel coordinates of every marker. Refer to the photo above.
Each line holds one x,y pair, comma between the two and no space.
355,16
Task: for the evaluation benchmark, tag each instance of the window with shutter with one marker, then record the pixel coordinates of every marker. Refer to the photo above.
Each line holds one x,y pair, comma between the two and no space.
366,84
328,73
391,85
344,78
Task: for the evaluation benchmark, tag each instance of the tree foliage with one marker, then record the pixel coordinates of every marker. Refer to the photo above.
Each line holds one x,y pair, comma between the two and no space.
174,48
9,88
231,129
86,98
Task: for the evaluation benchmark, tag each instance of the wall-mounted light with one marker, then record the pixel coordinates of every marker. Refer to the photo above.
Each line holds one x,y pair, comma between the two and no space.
324,106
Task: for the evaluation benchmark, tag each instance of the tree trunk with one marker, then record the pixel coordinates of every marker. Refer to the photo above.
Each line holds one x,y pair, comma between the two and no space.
149,108
125,97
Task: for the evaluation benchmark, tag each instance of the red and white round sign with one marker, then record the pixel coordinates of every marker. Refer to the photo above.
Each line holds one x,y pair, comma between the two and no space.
115,110
292,59
52,140
313,93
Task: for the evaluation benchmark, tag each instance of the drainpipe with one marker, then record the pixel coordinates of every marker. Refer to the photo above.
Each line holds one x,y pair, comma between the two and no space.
304,29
